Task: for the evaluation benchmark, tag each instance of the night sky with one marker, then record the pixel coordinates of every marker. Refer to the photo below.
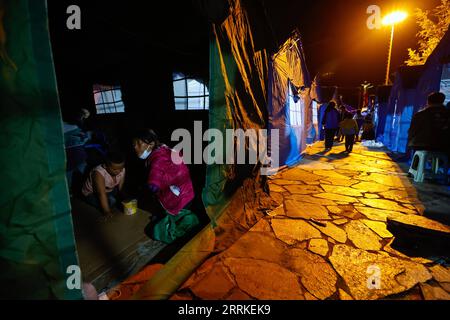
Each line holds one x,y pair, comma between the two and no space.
336,39
335,35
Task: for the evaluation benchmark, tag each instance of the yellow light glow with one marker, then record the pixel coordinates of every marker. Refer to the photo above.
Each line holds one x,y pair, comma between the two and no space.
394,17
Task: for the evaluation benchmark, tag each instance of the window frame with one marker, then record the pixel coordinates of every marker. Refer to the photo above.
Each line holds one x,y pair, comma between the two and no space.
107,107
187,97
296,109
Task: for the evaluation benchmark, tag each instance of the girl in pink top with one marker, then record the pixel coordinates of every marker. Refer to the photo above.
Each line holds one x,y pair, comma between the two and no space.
169,181
101,187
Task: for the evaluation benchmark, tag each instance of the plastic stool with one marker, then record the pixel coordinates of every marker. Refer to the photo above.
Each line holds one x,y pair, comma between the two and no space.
419,161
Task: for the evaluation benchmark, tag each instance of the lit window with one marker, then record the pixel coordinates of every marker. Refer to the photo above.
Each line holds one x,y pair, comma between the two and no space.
189,94
445,82
295,108
315,109
108,99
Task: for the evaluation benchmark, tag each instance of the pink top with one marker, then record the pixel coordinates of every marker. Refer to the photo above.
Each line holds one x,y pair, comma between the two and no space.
110,181
173,180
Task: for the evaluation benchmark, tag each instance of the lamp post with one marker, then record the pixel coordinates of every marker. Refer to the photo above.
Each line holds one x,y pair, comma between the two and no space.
391,20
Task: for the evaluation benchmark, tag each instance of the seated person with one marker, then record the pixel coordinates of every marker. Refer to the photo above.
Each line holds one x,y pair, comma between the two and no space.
430,127
104,182
75,138
170,182
75,132
368,129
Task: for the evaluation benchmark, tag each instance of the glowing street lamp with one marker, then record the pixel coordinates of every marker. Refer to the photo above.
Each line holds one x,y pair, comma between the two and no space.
391,20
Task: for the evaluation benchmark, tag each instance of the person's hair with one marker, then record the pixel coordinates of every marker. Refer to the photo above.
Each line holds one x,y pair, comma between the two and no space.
146,135
436,98
114,157
358,111
331,105
82,112
348,115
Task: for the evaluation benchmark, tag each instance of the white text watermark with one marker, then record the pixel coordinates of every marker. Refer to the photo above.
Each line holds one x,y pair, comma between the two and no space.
235,146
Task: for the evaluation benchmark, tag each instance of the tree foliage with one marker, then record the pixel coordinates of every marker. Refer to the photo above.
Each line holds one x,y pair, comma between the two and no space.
432,27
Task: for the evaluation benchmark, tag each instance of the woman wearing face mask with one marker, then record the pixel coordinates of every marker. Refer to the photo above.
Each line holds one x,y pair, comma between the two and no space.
169,179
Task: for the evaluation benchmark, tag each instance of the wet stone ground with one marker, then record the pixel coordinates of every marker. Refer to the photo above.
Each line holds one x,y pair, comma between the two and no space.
328,238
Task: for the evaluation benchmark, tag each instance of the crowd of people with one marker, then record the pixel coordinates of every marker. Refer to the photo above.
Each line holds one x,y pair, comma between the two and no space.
340,124
429,129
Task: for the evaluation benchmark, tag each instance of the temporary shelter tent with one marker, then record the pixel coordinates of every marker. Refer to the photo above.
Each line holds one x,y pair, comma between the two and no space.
253,80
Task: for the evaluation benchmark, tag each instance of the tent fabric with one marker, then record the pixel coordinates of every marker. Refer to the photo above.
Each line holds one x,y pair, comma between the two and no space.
401,107
383,93
238,100
235,196
289,76
37,240
381,124
247,87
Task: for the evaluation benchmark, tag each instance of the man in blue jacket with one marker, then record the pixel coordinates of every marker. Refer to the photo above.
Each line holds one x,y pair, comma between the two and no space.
330,123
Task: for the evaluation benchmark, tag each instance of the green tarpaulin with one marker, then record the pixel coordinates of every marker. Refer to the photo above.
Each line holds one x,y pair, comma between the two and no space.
36,233
238,100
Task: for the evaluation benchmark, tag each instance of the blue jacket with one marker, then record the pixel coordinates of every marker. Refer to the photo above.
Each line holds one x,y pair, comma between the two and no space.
331,119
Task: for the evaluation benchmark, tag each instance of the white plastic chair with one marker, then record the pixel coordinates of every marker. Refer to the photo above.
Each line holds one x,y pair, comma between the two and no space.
419,161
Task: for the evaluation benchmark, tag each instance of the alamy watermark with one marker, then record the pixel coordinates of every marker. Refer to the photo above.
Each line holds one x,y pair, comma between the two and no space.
73,277
374,277
73,21
374,19
234,146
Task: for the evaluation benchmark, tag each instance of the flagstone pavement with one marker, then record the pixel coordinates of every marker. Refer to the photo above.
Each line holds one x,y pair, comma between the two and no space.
329,239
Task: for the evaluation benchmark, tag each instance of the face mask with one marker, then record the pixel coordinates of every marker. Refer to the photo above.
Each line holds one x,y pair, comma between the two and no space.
145,154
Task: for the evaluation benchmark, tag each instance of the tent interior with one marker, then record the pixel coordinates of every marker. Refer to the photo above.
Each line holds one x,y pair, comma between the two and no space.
134,66
129,56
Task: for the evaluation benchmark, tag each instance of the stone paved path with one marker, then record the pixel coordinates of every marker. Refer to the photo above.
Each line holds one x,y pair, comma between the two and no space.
328,239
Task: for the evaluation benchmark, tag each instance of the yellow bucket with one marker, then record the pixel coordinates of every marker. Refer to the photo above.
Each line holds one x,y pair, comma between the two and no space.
130,207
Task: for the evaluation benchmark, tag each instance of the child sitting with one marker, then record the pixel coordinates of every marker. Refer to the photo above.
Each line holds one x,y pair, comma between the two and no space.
349,129
104,181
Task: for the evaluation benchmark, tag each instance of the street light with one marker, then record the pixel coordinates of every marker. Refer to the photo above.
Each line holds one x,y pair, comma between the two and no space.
391,20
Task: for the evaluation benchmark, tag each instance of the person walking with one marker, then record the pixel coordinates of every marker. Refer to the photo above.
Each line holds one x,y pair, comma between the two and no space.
359,118
349,129
330,124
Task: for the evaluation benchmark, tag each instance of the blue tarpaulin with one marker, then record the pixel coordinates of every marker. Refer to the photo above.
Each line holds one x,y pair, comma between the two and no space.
409,95
400,109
